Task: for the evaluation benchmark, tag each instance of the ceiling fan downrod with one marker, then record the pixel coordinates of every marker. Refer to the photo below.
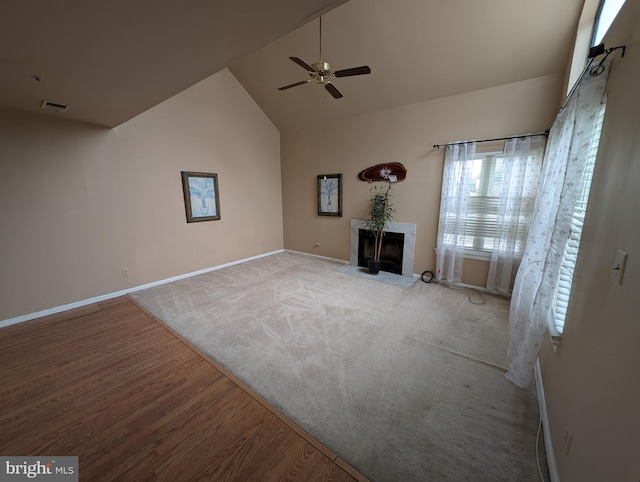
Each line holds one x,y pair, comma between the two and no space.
320,57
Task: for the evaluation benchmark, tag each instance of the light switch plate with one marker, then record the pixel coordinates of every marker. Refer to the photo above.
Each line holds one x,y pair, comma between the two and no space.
618,267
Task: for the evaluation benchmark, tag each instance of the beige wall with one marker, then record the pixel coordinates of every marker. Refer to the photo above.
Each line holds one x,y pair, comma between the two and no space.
592,386
405,134
79,203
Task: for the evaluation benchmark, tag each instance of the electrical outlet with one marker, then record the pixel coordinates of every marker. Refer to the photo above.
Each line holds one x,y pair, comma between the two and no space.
125,273
619,264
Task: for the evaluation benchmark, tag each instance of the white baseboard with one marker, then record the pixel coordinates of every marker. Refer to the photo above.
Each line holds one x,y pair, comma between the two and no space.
317,256
542,405
96,299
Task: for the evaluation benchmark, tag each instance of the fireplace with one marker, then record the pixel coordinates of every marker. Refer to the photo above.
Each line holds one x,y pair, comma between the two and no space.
400,240
390,255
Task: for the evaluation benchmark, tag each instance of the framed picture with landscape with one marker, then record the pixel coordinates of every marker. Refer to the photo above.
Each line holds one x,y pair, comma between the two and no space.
330,195
201,200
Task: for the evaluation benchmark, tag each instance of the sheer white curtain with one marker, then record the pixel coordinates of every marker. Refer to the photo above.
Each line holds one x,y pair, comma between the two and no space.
454,204
531,310
521,166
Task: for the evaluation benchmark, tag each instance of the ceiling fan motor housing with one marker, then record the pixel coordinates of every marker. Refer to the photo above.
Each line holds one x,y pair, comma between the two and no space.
322,70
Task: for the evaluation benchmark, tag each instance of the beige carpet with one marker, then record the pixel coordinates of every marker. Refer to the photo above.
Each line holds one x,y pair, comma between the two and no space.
402,383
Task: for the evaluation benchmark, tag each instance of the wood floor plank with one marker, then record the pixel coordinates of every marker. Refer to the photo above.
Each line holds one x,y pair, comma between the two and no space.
56,391
295,463
275,440
112,385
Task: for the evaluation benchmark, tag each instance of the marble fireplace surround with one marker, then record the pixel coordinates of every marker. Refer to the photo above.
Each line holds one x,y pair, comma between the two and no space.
409,231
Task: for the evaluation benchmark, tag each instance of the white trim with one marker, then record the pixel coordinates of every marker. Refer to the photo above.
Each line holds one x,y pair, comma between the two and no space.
555,337
96,299
469,253
342,261
542,406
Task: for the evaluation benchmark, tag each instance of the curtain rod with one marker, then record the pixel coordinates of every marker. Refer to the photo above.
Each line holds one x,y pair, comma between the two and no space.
595,71
545,133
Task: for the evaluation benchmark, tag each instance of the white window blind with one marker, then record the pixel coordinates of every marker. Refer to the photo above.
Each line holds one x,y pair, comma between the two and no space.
484,198
570,255
480,225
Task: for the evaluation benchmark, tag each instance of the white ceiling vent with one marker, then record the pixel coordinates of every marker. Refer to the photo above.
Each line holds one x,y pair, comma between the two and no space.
54,106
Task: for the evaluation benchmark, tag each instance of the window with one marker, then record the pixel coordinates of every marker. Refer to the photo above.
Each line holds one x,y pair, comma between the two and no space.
487,184
606,14
486,207
484,194
488,198
570,255
470,220
595,20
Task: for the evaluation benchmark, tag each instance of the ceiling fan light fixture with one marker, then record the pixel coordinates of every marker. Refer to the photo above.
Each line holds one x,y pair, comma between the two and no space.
322,72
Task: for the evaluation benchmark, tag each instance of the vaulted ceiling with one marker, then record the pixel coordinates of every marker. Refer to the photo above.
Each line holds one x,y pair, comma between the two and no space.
417,50
112,60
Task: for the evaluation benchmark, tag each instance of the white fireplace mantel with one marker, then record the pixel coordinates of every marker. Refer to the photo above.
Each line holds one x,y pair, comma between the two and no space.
409,231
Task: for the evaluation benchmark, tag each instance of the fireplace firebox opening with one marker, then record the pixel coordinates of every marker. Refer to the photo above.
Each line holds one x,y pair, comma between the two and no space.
391,254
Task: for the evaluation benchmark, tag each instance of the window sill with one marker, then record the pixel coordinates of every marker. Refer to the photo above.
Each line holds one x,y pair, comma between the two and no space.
555,337
477,255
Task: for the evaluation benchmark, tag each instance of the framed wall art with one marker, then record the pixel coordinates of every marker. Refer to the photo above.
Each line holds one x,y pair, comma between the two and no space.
330,195
201,200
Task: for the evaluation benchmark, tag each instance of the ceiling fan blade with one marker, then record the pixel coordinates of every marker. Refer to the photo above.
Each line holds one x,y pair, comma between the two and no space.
293,85
303,64
333,91
353,71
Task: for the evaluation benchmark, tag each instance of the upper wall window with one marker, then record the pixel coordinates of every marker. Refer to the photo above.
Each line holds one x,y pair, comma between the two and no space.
595,20
607,12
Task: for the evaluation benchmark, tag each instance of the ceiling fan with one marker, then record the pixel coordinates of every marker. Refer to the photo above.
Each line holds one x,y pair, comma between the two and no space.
322,72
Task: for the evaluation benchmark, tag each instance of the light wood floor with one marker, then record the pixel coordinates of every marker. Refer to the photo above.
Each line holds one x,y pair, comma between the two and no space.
114,386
